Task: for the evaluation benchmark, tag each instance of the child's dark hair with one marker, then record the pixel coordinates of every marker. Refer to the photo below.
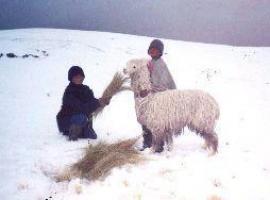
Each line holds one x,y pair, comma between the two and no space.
157,44
74,71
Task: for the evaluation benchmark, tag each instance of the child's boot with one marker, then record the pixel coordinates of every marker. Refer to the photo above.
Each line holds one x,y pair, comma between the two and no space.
147,138
75,132
89,131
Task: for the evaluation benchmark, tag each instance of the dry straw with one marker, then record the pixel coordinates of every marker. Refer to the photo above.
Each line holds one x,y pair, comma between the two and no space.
100,159
115,86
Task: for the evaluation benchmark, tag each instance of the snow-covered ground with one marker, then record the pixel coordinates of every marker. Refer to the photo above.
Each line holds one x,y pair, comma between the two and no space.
32,150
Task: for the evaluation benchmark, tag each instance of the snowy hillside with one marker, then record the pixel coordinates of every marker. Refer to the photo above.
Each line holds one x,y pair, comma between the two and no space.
32,150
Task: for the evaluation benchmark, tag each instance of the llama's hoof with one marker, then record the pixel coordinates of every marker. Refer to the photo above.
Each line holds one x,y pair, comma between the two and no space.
159,150
212,153
204,146
169,147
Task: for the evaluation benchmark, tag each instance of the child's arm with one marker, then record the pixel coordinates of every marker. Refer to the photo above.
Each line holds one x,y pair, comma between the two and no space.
92,103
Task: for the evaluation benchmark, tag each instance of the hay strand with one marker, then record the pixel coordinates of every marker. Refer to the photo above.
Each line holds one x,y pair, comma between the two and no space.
114,87
100,159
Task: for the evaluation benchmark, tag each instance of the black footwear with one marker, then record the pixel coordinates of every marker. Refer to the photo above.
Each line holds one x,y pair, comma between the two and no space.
143,147
159,149
147,138
75,132
89,133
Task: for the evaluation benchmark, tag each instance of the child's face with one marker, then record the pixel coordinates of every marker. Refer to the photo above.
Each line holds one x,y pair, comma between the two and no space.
154,53
78,79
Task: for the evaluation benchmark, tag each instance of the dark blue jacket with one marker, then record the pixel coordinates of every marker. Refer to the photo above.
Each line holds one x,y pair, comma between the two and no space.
77,99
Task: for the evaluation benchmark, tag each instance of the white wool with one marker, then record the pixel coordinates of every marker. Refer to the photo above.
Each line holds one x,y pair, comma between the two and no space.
139,81
168,112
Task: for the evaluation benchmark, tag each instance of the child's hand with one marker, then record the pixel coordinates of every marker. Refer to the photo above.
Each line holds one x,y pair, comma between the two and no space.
104,101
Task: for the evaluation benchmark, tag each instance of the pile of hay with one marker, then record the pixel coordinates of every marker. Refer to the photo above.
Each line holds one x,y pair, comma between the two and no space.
115,86
100,159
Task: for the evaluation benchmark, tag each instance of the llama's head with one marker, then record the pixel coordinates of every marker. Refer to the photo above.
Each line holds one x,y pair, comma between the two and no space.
138,71
134,66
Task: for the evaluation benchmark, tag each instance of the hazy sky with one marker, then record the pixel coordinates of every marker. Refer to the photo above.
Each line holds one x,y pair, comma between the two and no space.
236,22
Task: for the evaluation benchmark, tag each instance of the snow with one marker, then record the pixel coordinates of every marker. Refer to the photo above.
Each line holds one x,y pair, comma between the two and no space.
32,150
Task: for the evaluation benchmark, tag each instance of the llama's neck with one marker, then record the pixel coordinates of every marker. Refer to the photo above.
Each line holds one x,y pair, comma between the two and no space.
140,82
141,105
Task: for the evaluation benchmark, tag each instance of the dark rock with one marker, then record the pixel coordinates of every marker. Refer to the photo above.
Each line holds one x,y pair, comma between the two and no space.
28,55
11,55
25,56
1,55
45,53
34,56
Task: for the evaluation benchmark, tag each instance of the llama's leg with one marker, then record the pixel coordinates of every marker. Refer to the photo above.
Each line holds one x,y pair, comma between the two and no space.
209,136
205,146
211,141
159,147
147,138
158,142
169,141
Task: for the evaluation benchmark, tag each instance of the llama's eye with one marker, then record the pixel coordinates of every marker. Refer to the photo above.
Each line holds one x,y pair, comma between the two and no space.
134,66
